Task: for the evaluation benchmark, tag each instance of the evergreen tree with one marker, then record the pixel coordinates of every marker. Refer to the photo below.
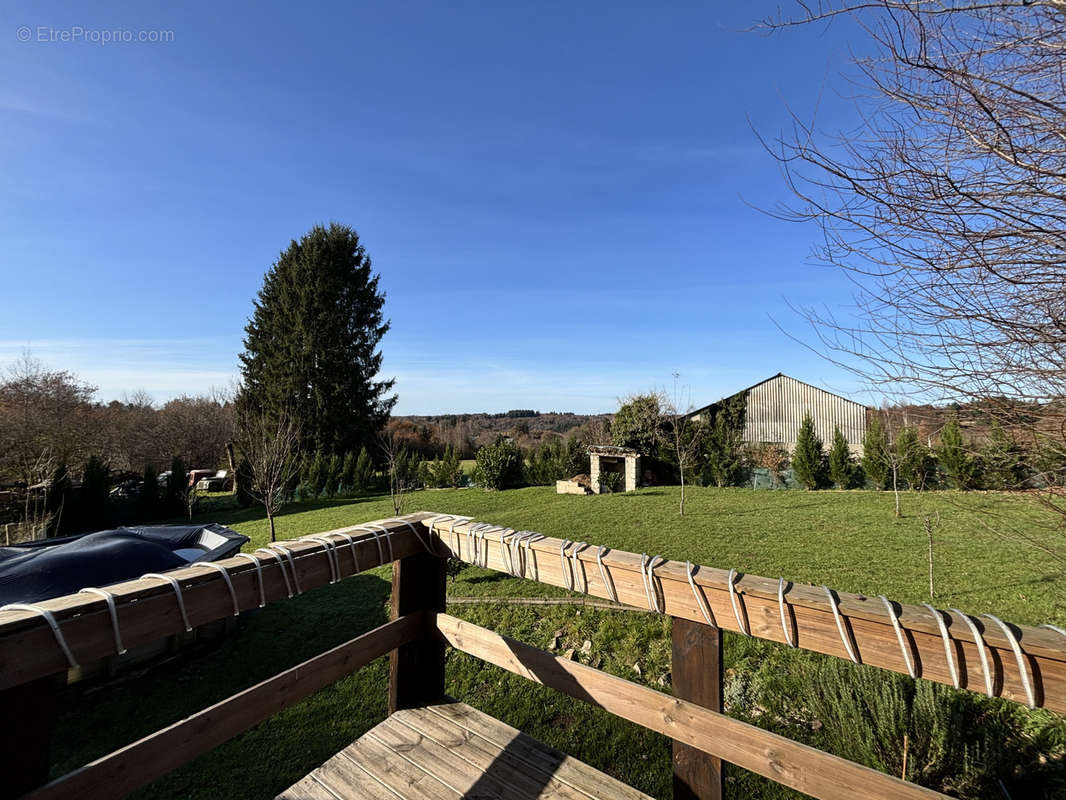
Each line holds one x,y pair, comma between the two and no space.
1002,466
638,424
177,482
315,474
874,450
953,454
841,464
914,459
55,502
347,480
148,495
95,494
311,345
364,470
723,434
333,469
499,465
808,459
244,479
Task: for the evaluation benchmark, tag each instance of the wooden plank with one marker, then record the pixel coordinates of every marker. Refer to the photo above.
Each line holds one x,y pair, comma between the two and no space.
148,610
444,764
808,614
135,765
26,734
795,765
696,671
348,782
416,670
491,744
391,769
309,789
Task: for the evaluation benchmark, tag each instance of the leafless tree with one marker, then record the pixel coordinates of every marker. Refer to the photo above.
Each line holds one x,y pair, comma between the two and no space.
394,454
681,435
43,419
271,447
947,208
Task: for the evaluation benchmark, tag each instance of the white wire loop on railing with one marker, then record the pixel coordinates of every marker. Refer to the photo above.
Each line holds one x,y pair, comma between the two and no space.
112,612
647,573
415,531
605,575
177,593
331,555
731,580
899,635
568,578
526,553
285,551
51,620
840,625
506,537
952,668
377,531
351,544
785,627
579,568
229,583
979,642
281,567
698,594
1019,656
258,576
1055,628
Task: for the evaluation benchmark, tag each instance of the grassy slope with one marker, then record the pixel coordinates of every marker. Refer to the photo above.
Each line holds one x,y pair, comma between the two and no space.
846,539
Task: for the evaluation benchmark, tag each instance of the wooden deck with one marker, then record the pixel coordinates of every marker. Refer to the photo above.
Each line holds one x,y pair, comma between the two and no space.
449,751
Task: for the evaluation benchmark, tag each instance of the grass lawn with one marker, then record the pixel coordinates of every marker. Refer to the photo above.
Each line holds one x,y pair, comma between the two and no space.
848,540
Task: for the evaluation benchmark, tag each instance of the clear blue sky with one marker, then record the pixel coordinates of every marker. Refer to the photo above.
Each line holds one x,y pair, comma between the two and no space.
556,195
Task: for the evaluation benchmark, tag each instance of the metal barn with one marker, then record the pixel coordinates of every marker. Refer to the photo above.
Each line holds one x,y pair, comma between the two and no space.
775,409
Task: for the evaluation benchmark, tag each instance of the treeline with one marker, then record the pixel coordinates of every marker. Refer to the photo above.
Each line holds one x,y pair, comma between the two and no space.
467,433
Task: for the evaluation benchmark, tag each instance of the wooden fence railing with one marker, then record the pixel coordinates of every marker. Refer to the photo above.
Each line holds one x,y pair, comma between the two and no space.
1023,663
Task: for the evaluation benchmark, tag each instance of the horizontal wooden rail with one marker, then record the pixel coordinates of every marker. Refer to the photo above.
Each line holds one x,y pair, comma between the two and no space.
147,609
119,773
808,611
803,768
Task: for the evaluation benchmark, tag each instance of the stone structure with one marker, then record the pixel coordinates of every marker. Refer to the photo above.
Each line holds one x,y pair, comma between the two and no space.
608,458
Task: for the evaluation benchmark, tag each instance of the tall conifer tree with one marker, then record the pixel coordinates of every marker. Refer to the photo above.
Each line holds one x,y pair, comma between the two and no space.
311,345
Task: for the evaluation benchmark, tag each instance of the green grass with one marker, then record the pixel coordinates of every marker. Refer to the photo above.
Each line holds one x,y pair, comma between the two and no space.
848,540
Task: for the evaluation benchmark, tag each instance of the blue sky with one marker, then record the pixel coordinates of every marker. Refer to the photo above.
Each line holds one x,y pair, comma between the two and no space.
558,198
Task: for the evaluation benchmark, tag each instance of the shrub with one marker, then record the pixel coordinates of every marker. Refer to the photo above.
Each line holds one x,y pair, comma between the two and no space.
769,456
610,481
808,461
364,470
874,453
499,465
841,464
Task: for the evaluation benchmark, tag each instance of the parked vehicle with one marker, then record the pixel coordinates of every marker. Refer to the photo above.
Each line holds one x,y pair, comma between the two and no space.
219,482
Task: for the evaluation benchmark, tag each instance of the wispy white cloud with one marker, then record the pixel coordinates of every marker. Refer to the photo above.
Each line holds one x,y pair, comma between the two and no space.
164,368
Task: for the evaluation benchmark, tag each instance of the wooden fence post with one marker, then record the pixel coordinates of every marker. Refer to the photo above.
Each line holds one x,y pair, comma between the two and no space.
697,677
25,736
416,670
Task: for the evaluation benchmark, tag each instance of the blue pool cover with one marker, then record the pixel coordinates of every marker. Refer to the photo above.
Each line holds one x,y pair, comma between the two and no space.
55,567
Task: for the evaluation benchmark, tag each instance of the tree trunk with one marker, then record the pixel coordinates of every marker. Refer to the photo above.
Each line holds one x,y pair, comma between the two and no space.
270,518
231,456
